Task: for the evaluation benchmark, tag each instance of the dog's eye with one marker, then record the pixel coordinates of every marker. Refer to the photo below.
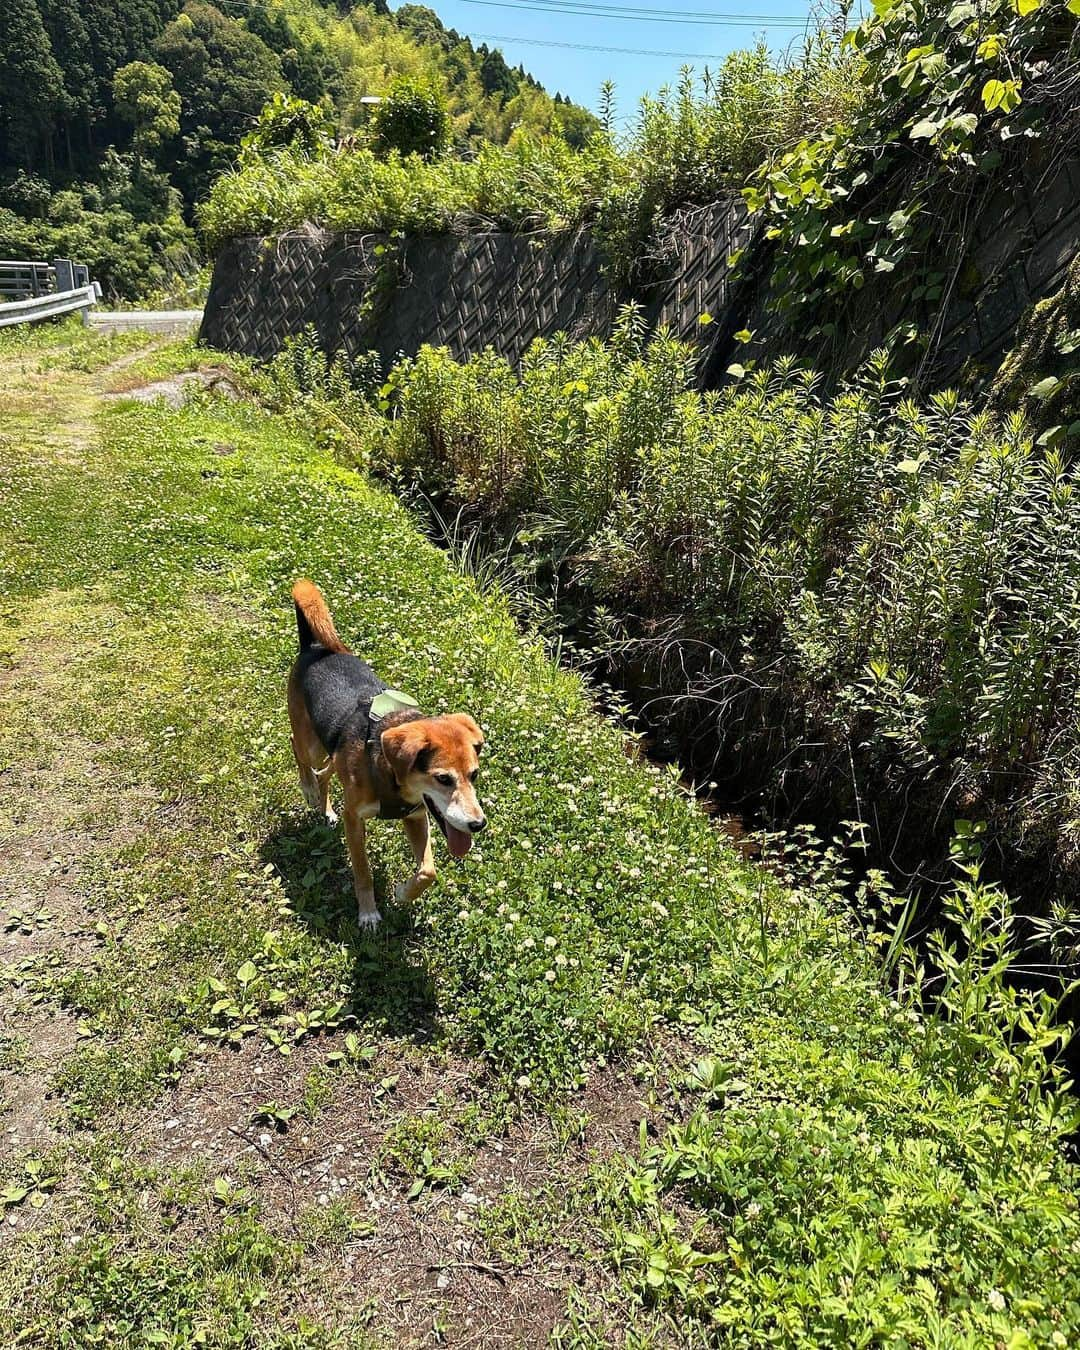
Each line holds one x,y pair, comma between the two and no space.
446,779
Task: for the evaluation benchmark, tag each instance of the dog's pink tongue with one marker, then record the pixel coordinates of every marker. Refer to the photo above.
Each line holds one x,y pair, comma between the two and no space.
458,841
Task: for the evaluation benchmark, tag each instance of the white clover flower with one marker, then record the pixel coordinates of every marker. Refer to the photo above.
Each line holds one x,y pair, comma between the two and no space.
560,960
996,1299
550,976
660,909
550,941
524,1082
529,944
463,914
753,1209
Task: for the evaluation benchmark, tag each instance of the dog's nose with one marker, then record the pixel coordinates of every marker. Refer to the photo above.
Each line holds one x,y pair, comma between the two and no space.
475,826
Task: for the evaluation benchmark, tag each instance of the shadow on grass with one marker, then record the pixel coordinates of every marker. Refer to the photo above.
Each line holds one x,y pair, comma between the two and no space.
390,985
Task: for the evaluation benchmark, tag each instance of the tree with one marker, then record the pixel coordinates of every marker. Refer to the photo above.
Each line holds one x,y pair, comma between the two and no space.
496,76
291,121
70,42
145,98
413,119
31,83
224,75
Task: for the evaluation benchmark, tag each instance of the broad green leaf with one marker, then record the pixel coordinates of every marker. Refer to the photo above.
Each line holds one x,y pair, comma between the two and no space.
1003,94
247,973
1052,435
1026,7
924,130
1045,388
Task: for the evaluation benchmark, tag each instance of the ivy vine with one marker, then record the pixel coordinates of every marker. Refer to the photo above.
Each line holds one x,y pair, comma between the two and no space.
958,96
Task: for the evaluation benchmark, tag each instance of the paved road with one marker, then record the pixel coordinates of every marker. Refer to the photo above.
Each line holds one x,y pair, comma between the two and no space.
169,321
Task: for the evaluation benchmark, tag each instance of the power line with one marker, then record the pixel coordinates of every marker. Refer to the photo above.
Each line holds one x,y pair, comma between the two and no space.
589,9
586,47
663,12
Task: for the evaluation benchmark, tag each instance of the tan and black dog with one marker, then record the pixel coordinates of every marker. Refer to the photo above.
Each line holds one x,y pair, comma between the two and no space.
392,761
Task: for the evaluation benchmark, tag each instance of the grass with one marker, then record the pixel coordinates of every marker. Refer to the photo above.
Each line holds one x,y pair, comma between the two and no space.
605,1046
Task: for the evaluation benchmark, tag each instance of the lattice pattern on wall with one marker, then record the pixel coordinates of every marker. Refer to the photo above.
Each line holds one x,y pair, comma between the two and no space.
494,289
502,290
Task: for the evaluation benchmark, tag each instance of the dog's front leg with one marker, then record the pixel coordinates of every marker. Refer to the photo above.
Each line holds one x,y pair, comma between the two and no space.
418,832
367,912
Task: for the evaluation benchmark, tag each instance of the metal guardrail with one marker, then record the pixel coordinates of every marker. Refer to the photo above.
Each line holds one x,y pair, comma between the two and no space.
23,280
43,290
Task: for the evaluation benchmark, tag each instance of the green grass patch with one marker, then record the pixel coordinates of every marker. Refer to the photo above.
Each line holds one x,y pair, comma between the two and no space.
836,1167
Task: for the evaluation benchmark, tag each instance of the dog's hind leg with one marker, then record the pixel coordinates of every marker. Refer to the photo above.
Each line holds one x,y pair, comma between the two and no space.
315,783
312,762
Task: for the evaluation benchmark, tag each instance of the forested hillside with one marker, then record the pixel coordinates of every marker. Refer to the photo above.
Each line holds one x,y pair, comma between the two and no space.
116,115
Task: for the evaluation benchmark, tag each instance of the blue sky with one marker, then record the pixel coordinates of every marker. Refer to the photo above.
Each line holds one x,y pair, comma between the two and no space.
579,73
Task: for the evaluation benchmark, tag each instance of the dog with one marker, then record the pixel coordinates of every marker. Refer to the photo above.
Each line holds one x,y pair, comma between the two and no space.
392,761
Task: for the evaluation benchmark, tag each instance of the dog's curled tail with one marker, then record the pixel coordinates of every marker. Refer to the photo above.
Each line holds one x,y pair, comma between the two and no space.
313,621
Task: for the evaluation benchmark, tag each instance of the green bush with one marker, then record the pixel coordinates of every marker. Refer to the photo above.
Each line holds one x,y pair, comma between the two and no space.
958,103
686,147
531,182
412,119
870,599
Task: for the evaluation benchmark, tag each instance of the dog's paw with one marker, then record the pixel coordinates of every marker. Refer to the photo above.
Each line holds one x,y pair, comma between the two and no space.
332,817
368,920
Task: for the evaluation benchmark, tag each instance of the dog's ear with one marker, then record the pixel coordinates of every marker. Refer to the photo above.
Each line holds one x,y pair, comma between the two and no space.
471,729
406,749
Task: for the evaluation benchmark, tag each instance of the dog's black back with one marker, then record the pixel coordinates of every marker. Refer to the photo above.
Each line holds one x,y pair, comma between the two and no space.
338,689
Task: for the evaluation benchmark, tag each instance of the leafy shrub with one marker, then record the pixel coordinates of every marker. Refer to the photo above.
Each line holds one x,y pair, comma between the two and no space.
852,594
686,147
531,182
287,120
412,119
692,145
957,99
